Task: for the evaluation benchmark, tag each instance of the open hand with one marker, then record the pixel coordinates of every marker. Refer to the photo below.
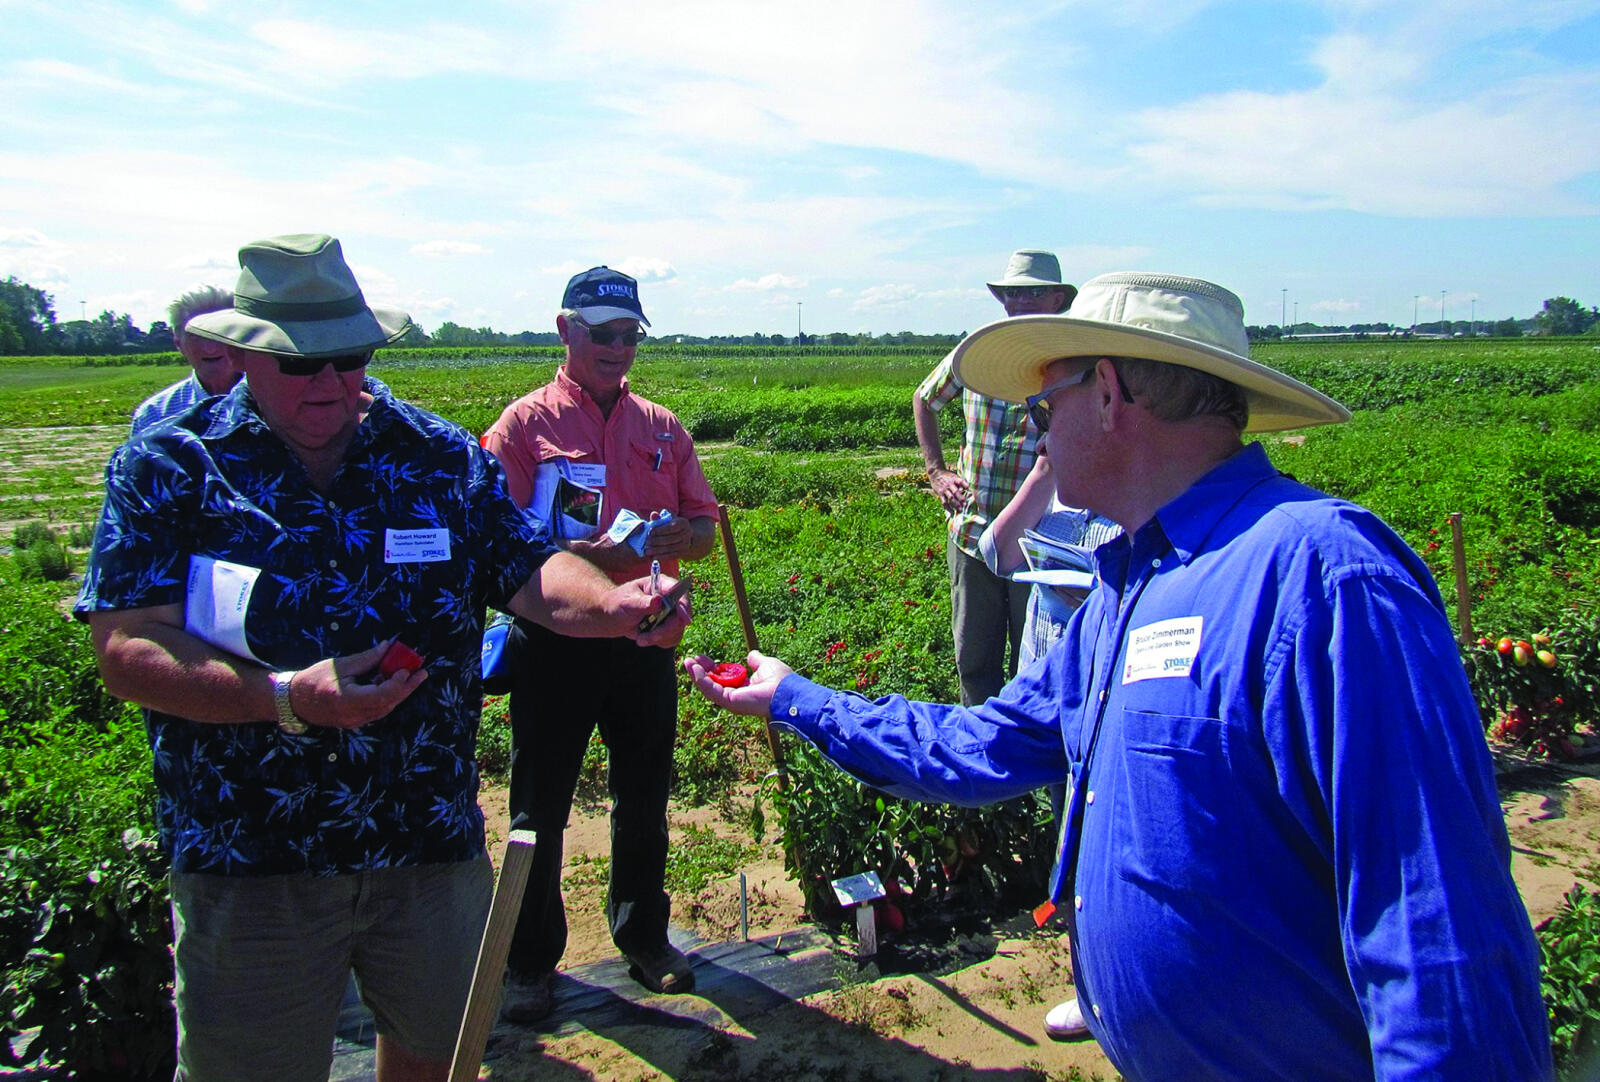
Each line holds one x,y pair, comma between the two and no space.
754,698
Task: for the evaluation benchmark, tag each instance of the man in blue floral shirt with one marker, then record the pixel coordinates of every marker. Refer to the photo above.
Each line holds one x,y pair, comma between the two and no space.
253,563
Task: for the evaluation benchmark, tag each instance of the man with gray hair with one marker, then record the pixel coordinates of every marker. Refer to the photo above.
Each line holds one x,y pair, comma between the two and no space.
997,451
1285,855
212,373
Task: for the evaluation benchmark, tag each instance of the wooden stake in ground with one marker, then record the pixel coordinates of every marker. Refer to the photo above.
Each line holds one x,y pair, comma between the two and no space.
736,576
1463,590
484,999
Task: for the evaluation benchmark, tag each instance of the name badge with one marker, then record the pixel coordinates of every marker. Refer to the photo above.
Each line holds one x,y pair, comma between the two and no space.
415,546
587,474
1165,648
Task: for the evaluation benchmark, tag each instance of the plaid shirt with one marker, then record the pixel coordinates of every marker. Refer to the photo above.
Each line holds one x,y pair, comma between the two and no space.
996,453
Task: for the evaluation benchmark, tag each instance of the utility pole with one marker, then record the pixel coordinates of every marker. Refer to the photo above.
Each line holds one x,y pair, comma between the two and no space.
799,333
1441,314
1415,298
1297,314
1473,316
1283,308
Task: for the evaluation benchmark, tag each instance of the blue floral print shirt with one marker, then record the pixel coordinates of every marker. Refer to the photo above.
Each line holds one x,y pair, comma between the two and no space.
415,537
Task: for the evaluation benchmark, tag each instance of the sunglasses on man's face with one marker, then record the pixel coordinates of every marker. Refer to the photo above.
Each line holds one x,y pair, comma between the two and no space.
1039,404
604,336
1012,293
310,366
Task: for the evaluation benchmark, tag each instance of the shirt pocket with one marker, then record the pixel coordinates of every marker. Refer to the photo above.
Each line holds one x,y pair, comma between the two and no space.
652,478
1172,790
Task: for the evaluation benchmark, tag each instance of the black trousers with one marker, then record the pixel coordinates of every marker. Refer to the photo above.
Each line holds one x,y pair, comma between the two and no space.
564,688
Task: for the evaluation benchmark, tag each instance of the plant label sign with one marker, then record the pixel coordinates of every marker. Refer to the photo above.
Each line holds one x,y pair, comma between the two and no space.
855,889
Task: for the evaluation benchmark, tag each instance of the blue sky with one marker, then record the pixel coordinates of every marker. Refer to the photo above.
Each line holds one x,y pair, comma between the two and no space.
874,162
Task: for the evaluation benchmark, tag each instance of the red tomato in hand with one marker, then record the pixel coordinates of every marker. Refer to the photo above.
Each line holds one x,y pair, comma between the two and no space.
399,656
730,674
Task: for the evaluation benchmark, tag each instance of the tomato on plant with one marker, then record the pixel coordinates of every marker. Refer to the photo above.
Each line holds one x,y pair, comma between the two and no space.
1504,645
729,674
1522,653
1547,658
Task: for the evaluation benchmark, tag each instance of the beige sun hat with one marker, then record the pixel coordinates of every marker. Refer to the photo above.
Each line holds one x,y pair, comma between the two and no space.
1162,317
296,296
1032,267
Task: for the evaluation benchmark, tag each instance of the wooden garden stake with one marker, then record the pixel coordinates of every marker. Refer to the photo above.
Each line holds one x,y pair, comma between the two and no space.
1463,591
484,999
736,576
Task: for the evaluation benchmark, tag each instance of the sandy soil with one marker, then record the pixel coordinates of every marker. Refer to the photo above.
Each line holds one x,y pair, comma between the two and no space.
980,1020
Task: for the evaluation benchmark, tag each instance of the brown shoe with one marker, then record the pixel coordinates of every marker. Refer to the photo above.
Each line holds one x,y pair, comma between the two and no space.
664,969
527,999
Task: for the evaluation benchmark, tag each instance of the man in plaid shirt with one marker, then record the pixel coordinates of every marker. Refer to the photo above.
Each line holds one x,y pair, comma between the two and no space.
996,454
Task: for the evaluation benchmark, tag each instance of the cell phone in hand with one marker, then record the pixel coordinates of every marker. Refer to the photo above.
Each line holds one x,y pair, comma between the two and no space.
669,602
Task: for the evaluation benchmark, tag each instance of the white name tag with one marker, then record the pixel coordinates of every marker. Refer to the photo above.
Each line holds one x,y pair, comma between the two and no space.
415,546
587,474
216,601
1167,648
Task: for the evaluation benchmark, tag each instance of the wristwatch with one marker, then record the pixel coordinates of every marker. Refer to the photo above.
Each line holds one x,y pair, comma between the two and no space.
288,720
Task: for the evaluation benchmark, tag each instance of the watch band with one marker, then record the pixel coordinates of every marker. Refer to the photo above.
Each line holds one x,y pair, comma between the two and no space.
288,720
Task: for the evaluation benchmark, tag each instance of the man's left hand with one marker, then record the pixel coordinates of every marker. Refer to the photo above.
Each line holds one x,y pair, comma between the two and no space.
633,602
671,539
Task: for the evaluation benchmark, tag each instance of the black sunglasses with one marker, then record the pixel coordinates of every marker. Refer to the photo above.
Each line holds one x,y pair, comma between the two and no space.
1012,292
602,336
1039,404
310,366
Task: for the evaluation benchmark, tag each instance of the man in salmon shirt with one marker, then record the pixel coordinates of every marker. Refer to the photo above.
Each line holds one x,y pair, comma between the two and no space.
578,452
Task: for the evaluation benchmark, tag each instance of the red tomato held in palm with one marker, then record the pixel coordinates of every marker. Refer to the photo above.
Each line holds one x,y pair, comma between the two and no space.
729,674
399,656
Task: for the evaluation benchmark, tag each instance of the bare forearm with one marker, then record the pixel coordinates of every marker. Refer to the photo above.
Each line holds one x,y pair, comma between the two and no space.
163,667
927,425
570,594
1024,511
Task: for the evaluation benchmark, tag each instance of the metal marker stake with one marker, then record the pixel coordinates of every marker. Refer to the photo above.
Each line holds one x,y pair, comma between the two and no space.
744,911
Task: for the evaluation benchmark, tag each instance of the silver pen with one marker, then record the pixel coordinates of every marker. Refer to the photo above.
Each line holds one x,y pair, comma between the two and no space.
655,576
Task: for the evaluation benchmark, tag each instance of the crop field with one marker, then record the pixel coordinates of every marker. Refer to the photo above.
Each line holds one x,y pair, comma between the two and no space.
842,547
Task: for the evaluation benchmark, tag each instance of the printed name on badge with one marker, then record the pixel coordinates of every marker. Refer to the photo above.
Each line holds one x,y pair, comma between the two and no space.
587,474
1166,648
415,546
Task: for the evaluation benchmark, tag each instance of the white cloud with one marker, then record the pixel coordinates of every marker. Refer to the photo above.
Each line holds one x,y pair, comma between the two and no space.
766,283
646,269
1336,307
447,248
885,296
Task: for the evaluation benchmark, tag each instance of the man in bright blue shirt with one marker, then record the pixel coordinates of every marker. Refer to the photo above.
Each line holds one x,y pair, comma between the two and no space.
1285,856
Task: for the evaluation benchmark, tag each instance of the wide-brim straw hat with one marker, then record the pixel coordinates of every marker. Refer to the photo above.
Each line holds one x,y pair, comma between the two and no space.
296,296
1032,267
1161,317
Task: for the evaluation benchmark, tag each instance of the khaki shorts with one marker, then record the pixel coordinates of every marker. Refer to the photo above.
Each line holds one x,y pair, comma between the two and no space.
263,963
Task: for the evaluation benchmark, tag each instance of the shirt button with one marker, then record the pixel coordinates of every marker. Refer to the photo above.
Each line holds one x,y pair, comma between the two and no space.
1156,562
334,625
794,711
333,563
1090,797
1097,1010
1077,902
333,757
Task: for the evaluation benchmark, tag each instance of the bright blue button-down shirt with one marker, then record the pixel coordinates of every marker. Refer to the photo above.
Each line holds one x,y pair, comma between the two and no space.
1285,857
168,403
249,799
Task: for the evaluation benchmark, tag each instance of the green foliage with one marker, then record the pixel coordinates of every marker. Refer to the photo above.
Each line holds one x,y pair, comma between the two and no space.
83,898
698,856
32,533
494,738
1570,945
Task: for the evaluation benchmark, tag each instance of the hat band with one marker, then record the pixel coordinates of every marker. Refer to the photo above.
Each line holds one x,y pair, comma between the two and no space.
300,312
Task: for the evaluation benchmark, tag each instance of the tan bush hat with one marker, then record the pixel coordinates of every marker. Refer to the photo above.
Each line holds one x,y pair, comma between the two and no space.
1162,317
1032,267
296,296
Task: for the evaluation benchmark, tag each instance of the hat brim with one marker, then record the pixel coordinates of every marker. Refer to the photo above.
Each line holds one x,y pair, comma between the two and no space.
598,315
1028,280
1006,360
310,338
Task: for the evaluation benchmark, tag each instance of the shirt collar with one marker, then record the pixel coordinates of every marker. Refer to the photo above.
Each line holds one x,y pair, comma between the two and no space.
1189,519
573,390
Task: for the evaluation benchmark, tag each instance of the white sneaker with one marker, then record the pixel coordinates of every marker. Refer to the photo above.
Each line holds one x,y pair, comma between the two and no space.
1065,1022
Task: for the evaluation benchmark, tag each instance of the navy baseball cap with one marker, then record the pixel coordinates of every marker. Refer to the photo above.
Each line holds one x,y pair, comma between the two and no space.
601,294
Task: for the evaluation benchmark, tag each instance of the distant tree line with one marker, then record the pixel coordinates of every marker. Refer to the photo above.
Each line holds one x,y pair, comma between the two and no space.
28,325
